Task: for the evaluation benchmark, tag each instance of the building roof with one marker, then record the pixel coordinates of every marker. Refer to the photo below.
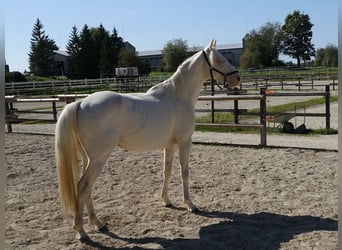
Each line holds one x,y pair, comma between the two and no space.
150,53
229,46
218,47
61,52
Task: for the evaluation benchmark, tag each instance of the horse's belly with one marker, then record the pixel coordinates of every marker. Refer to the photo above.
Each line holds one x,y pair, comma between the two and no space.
143,142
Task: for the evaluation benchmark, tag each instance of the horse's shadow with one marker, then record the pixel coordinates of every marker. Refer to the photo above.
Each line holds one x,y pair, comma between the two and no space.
240,231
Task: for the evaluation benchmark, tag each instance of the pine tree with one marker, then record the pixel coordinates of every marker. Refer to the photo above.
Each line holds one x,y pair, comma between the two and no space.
106,61
73,48
41,51
103,49
88,60
93,52
117,44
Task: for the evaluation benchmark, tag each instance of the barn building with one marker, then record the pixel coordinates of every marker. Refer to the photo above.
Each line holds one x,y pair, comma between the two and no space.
232,52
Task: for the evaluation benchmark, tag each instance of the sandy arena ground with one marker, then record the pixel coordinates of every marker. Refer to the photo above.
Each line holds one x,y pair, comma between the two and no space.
250,198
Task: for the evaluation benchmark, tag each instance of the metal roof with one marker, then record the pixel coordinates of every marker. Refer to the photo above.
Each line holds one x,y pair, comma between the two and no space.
61,52
218,47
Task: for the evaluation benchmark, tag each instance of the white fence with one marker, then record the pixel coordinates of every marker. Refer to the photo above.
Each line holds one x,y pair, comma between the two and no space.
135,84
69,86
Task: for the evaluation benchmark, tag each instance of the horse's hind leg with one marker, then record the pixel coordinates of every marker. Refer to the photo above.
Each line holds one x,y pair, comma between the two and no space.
184,151
168,157
89,176
93,220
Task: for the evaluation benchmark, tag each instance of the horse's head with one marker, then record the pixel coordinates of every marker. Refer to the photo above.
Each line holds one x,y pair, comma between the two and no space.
220,69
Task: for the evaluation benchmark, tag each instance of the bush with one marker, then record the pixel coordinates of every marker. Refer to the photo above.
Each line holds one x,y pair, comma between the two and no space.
14,76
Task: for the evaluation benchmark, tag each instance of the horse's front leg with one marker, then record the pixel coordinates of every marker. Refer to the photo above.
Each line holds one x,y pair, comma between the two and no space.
184,151
168,157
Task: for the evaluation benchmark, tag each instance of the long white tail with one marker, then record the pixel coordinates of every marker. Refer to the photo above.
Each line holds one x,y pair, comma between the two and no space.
66,147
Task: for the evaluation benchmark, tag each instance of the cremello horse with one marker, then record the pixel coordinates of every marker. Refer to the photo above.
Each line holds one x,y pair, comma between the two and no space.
162,117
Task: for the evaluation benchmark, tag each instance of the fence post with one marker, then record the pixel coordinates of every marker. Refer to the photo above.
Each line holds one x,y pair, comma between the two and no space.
282,82
333,83
54,111
236,107
7,112
327,106
69,87
212,103
263,134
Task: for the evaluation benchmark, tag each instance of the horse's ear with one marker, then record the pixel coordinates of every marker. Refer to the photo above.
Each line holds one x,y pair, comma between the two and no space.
212,44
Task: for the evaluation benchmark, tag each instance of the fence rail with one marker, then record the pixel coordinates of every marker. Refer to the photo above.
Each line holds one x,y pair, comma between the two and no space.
12,112
135,84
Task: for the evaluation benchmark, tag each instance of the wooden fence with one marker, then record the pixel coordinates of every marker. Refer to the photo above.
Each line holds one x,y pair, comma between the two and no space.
12,112
140,84
262,126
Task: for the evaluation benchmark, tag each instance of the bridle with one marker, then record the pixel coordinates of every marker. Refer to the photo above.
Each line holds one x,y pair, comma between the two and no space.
211,68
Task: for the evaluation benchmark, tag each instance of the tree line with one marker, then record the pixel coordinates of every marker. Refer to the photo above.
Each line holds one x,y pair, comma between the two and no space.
263,46
93,53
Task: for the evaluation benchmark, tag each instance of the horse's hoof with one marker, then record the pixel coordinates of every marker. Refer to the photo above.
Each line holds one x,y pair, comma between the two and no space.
193,210
103,229
84,239
169,205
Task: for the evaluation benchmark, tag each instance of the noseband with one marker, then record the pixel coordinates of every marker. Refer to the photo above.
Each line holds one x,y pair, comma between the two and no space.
211,68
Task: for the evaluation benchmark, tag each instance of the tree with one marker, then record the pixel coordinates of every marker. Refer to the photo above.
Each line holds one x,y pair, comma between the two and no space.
129,58
262,46
94,52
327,56
88,60
41,51
118,44
14,76
297,37
174,53
103,50
73,48
106,61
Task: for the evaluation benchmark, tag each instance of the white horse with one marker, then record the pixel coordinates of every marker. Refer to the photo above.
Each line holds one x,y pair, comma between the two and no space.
162,117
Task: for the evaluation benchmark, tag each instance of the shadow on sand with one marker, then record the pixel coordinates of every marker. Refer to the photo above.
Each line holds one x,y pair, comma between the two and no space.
240,231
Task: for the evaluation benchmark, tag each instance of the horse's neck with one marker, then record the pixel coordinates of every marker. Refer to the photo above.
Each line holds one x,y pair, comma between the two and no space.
189,78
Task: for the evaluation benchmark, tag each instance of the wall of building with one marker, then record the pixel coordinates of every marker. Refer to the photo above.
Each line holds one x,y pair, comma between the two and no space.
232,52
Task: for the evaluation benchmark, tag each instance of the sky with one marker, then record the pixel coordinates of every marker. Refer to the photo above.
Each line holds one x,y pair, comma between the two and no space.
150,24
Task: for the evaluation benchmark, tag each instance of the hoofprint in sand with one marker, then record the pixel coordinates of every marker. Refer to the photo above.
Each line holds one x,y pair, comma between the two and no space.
250,199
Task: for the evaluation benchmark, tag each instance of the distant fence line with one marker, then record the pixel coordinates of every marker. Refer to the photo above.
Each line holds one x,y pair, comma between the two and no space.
143,83
71,86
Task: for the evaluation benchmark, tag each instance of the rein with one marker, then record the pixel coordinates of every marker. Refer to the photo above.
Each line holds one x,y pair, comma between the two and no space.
211,68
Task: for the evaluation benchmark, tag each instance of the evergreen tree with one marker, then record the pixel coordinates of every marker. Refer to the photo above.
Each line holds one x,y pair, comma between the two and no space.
41,51
117,45
103,50
297,37
94,52
106,62
73,48
87,55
